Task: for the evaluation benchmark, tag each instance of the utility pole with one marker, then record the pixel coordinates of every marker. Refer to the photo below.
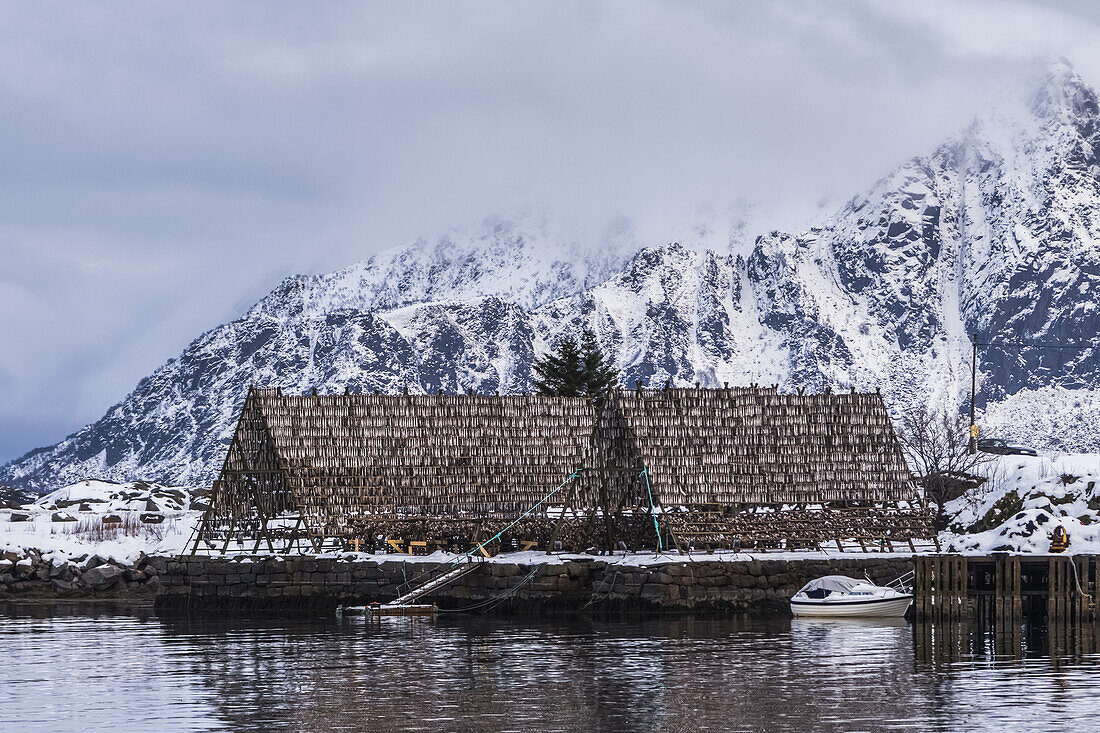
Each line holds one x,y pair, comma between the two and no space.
972,446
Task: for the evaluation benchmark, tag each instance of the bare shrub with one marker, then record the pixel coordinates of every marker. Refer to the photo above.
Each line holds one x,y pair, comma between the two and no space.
93,529
996,476
936,444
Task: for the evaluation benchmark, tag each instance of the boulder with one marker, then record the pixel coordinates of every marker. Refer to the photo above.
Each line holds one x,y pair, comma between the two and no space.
101,577
134,575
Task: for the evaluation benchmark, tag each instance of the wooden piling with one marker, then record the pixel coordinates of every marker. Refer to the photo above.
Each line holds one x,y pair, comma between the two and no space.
945,589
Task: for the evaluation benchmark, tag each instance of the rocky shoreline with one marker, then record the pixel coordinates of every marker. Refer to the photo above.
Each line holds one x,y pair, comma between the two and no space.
30,575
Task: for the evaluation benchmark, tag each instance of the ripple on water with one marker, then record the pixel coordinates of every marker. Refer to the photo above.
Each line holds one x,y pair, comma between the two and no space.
71,668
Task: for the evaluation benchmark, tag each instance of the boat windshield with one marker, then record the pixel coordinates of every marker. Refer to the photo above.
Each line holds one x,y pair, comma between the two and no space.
833,584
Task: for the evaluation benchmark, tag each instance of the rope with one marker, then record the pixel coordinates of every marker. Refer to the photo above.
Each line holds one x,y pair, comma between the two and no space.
652,510
606,593
408,584
1077,580
491,603
515,521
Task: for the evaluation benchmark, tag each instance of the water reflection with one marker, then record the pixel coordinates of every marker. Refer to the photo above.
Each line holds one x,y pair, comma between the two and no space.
125,669
947,643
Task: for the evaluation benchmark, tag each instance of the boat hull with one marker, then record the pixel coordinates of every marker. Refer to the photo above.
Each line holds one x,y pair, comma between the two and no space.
877,608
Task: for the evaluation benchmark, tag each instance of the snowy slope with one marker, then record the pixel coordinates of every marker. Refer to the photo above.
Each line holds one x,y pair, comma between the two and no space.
68,523
1022,501
994,231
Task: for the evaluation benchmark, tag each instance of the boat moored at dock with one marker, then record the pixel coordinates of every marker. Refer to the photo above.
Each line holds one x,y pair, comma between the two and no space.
839,595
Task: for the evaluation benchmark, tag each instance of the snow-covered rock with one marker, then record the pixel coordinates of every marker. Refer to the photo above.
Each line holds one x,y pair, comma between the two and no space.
97,521
995,231
107,497
1022,501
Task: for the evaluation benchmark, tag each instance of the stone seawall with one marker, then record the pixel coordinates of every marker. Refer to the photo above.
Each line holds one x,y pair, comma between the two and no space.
557,588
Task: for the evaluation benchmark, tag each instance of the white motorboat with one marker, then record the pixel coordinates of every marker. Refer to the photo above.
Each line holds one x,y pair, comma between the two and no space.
839,595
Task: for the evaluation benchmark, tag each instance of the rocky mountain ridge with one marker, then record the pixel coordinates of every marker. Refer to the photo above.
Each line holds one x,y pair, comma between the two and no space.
994,232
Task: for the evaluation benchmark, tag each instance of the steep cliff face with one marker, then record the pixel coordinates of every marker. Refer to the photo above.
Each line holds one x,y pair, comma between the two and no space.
996,232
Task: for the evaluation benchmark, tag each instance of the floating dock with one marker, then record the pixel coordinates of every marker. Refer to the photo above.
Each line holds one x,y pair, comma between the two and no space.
390,609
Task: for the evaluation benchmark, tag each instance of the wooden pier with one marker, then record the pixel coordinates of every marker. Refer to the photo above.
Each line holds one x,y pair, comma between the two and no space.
1006,588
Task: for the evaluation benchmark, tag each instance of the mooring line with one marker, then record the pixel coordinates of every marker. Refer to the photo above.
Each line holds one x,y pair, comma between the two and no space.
514,522
606,594
499,599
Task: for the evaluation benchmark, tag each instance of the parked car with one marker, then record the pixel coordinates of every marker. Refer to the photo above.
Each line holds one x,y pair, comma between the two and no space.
1001,448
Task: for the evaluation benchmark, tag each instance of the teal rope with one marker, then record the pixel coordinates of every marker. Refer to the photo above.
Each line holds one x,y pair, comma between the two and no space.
652,509
539,503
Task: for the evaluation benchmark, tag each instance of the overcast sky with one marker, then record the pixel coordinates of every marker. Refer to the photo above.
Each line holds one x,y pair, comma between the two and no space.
164,165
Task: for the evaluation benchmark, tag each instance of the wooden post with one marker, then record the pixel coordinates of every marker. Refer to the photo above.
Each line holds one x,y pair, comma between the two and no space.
1080,587
1016,588
1053,589
937,580
962,581
1095,587
920,586
558,525
918,579
1000,568
953,588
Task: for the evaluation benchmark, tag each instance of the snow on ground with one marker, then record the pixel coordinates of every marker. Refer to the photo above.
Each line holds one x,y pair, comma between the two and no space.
1052,416
1015,510
629,559
68,525
1022,501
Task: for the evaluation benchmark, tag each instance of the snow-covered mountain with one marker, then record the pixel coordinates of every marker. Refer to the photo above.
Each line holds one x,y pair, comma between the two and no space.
996,231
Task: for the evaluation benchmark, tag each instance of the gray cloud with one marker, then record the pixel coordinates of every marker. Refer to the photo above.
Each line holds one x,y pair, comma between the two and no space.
164,164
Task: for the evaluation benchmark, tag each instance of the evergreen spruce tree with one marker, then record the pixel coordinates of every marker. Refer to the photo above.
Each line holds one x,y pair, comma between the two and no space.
600,377
576,370
559,373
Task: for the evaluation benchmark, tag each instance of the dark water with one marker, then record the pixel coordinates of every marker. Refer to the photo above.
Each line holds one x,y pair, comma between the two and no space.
83,668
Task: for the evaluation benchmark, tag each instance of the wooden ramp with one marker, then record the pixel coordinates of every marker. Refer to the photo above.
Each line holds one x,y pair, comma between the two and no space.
438,581
388,609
